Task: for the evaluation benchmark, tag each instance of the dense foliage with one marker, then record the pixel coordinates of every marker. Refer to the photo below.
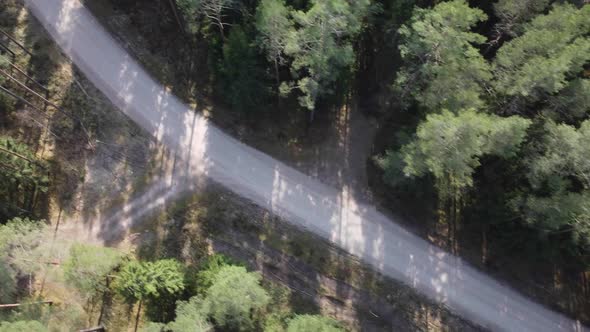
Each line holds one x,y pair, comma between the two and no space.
506,81
443,68
22,177
21,254
526,96
140,280
88,268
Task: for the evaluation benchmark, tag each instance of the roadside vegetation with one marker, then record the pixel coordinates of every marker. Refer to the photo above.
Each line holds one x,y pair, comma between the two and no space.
217,293
483,147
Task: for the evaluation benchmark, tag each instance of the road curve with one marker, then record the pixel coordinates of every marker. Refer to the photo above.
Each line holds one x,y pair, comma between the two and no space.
355,227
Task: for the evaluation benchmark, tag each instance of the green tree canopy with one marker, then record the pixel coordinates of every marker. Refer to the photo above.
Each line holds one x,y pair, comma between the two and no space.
565,155
274,27
321,45
442,68
191,316
573,102
242,81
316,323
230,296
138,281
22,175
19,243
234,298
7,283
449,146
560,177
209,270
514,14
6,102
562,211
141,280
552,49
87,267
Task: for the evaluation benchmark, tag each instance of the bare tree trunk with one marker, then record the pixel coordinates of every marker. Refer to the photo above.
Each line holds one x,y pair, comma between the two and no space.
585,285
174,8
16,42
16,305
32,198
18,155
456,216
220,25
457,221
446,208
137,316
104,296
484,244
14,194
278,82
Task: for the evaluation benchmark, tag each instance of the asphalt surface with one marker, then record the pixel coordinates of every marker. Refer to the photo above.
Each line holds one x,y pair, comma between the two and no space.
357,228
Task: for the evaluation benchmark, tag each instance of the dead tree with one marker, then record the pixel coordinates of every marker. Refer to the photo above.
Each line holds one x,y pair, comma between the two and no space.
215,11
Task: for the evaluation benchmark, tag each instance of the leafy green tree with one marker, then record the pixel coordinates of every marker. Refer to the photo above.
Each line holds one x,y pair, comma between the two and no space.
138,281
87,268
449,146
19,241
191,316
22,326
564,156
321,46
274,26
242,79
189,9
22,178
552,49
6,102
514,14
7,283
303,323
235,297
209,270
565,212
442,68
573,102
560,177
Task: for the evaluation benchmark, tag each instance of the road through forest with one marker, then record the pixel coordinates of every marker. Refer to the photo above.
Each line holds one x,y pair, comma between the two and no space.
335,215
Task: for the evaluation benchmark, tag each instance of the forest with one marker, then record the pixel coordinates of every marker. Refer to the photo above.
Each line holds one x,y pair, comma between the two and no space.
473,126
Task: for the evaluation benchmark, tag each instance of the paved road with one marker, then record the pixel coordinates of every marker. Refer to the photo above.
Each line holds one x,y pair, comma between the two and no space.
335,215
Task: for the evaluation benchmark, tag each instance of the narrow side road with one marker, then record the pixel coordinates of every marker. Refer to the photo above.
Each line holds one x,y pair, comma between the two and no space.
357,228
